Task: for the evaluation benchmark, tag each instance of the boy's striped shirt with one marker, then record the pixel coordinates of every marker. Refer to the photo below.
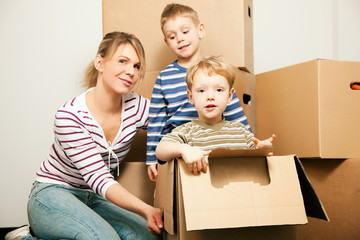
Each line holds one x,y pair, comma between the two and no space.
226,134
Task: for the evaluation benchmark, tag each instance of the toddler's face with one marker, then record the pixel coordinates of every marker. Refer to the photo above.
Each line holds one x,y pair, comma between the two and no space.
182,36
210,94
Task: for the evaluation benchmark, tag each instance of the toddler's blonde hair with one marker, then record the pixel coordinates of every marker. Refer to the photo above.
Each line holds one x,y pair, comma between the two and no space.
211,65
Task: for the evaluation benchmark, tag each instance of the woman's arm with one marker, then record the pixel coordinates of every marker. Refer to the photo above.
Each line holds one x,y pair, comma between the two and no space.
122,198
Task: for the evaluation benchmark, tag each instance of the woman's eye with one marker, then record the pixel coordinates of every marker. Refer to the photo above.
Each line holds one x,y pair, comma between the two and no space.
122,61
137,66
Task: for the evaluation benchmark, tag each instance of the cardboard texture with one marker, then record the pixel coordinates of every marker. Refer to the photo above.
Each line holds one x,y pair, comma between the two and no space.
133,176
245,191
133,170
219,17
337,184
311,108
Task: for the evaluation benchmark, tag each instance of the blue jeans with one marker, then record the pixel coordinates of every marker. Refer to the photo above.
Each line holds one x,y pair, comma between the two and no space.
60,212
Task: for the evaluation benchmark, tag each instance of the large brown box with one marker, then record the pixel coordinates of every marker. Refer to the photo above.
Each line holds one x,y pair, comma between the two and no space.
229,28
269,194
311,108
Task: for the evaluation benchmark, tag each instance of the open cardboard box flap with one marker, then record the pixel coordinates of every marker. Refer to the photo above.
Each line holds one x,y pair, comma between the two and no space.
231,194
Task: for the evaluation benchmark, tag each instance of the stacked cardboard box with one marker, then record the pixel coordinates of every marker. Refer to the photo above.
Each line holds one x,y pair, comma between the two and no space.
311,108
314,112
228,25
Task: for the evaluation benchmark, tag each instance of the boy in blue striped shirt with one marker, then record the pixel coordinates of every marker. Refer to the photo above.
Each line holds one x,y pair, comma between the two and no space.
170,106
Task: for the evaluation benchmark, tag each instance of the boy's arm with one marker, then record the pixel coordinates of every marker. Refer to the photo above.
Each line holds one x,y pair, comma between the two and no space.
195,158
235,112
166,151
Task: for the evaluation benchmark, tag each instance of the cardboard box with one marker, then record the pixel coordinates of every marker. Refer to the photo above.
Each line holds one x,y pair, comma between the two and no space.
269,193
220,18
311,108
337,184
133,176
244,85
133,170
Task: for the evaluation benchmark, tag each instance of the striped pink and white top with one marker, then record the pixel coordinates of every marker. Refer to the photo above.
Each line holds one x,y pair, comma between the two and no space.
81,157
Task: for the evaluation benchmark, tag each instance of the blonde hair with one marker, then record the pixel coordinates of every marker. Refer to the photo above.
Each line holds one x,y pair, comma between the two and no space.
211,65
106,50
174,9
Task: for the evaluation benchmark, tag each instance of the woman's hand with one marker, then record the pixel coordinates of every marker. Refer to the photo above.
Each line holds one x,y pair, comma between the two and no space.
154,220
118,195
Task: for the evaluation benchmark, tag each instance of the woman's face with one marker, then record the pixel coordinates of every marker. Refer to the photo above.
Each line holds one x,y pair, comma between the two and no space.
122,71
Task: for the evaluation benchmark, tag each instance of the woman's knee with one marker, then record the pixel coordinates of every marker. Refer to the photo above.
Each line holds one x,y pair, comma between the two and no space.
55,213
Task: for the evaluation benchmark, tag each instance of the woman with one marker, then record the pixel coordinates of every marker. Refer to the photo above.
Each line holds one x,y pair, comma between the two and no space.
74,195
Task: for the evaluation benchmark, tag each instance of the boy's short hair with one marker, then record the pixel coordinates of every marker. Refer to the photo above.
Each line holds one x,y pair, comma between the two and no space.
211,65
174,9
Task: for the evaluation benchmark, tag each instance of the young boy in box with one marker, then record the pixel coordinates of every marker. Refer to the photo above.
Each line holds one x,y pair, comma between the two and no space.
210,88
169,105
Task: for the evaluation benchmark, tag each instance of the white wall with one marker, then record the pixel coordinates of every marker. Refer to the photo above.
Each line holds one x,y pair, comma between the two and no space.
287,32
46,44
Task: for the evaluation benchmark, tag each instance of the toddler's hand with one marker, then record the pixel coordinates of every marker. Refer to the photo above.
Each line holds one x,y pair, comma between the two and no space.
264,143
196,159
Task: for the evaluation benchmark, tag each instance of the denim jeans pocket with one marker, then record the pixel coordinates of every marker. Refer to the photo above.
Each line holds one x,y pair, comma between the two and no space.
38,187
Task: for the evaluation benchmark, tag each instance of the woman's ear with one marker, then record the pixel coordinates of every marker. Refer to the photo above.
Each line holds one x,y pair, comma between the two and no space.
190,96
231,94
98,63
